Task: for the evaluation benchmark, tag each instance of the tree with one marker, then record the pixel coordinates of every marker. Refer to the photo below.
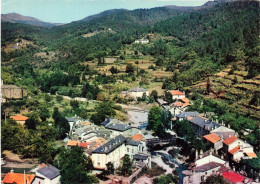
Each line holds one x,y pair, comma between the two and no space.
75,166
61,124
74,104
44,113
32,121
110,169
127,166
59,98
154,116
166,117
113,70
168,97
130,68
103,111
154,94
215,179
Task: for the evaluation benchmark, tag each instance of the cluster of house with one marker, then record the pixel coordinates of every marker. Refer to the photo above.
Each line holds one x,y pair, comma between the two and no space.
42,174
110,142
208,164
179,105
223,140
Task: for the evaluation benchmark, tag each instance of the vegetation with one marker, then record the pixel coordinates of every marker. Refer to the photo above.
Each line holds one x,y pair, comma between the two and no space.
127,165
215,179
75,166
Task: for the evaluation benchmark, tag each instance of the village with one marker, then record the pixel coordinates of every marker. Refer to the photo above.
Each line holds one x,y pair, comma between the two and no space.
108,144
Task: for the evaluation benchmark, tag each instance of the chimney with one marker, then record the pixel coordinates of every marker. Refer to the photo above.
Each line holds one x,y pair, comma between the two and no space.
196,154
228,126
12,171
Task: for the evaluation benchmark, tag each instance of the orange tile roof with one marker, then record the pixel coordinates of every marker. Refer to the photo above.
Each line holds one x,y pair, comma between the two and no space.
185,100
137,137
234,150
186,104
252,155
72,143
19,117
177,104
176,92
84,144
212,138
230,140
18,178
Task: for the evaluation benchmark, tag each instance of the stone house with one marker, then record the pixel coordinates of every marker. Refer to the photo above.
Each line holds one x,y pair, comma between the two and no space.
135,93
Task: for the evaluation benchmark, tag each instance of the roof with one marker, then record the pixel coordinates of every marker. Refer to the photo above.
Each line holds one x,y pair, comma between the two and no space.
177,104
224,132
185,100
207,167
234,150
233,177
19,117
49,172
117,126
212,138
84,144
18,178
107,120
230,140
251,155
10,86
186,114
138,89
140,157
72,119
176,92
137,137
111,145
73,143
204,123
132,142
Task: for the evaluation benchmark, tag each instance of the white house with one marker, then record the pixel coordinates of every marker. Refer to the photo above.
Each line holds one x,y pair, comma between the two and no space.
176,94
48,174
135,93
112,152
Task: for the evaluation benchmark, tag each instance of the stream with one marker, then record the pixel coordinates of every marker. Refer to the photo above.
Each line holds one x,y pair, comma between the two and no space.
181,167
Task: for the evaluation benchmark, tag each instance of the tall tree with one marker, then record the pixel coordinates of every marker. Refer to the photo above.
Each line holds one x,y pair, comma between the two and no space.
127,165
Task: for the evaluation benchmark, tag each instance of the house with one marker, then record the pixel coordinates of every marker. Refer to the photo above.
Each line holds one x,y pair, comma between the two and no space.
205,165
73,121
202,126
19,119
133,147
223,132
236,149
214,140
49,173
118,127
185,115
178,107
176,94
142,41
112,151
18,178
12,91
135,93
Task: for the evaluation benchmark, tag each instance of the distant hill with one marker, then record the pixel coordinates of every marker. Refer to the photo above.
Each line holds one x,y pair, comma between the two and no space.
104,13
17,18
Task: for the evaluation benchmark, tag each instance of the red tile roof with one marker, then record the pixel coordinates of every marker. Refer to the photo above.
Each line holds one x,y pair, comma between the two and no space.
212,138
176,92
234,150
18,178
230,140
137,137
233,177
252,155
19,117
84,144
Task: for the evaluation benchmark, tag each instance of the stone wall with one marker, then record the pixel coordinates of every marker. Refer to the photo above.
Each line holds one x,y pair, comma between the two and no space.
12,91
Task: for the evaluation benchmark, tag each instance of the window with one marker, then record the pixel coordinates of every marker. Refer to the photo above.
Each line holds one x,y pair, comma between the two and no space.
98,163
132,150
128,150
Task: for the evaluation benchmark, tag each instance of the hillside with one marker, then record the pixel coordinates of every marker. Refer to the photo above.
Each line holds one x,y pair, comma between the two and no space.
17,18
